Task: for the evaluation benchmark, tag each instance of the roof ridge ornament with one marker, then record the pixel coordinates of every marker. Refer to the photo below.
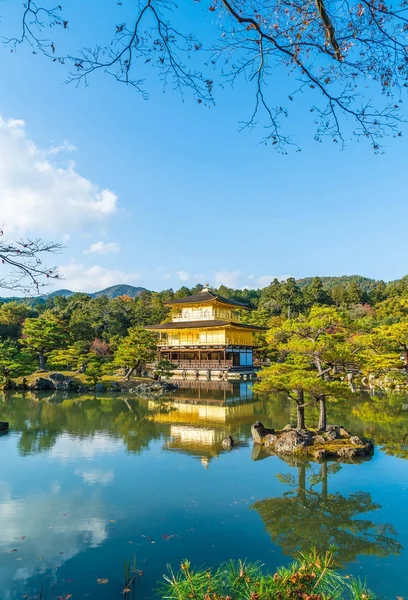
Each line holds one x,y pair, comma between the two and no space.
206,288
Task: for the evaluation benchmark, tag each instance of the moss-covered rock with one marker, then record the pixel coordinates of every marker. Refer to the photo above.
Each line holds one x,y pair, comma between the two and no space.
335,443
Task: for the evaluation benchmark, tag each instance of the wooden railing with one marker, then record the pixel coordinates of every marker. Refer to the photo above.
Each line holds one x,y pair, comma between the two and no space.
204,364
187,342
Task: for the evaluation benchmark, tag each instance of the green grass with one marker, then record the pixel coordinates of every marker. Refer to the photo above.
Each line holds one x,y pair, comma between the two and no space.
311,577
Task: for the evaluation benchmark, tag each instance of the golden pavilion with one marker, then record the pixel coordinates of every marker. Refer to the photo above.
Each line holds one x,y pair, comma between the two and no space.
206,334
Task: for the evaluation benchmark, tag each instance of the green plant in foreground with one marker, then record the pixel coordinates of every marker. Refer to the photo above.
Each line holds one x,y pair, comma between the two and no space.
311,577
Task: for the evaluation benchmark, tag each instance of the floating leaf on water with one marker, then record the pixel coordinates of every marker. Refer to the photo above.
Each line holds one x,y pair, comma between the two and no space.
112,521
24,537
102,581
13,550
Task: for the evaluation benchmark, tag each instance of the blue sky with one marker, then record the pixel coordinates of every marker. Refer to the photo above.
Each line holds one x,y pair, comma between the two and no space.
187,197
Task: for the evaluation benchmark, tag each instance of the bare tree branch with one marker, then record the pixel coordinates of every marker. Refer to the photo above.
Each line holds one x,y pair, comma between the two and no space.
336,52
23,261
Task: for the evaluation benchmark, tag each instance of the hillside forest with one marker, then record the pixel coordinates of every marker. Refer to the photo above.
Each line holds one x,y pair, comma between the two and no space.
323,337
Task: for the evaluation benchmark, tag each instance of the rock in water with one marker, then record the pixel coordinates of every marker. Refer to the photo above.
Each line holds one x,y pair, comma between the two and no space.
356,441
289,441
99,389
228,443
43,384
258,432
4,426
270,440
333,432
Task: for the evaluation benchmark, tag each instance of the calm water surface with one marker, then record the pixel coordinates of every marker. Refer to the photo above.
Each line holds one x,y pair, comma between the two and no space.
87,483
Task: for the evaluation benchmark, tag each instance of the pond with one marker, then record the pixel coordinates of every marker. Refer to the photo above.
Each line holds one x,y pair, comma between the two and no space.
87,483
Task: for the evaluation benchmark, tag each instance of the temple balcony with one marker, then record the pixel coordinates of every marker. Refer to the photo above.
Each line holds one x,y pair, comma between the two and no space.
205,314
197,342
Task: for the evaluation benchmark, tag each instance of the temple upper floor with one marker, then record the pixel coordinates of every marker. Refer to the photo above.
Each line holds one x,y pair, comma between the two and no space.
206,306
204,313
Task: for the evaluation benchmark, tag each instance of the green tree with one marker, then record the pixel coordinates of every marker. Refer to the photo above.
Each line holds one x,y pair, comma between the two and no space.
313,348
385,351
164,369
135,350
94,369
70,358
354,294
291,297
270,299
42,335
339,295
15,361
12,317
316,294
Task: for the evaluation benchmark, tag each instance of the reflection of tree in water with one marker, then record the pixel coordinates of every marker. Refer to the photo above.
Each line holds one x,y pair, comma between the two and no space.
304,517
386,417
42,422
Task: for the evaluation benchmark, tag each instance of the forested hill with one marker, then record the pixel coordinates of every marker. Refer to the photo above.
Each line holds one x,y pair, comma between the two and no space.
111,292
364,283
114,291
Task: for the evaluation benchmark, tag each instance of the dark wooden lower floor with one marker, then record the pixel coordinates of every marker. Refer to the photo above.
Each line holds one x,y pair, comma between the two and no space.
208,358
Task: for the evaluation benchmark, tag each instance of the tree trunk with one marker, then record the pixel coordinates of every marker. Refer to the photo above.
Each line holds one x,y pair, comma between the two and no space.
324,475
322,414
129,373
41,359
302,484
300,411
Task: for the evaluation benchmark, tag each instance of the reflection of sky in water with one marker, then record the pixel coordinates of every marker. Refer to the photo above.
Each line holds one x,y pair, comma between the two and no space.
118,477
68,448
46,528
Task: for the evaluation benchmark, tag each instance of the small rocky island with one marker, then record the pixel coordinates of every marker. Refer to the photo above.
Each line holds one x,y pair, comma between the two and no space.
336,442
44,382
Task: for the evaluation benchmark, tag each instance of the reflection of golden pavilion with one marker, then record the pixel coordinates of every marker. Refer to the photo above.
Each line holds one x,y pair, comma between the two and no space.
199,424
187,412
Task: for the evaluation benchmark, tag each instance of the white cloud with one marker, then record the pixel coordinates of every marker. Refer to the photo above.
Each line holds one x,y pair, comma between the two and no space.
65,146
167,275
38,195
96,476
183,275
228,278
262,281
79,278
103,248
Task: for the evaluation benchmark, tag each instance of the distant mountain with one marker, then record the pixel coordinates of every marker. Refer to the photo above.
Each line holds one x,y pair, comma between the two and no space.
120,290
112,292
364,283
65,293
